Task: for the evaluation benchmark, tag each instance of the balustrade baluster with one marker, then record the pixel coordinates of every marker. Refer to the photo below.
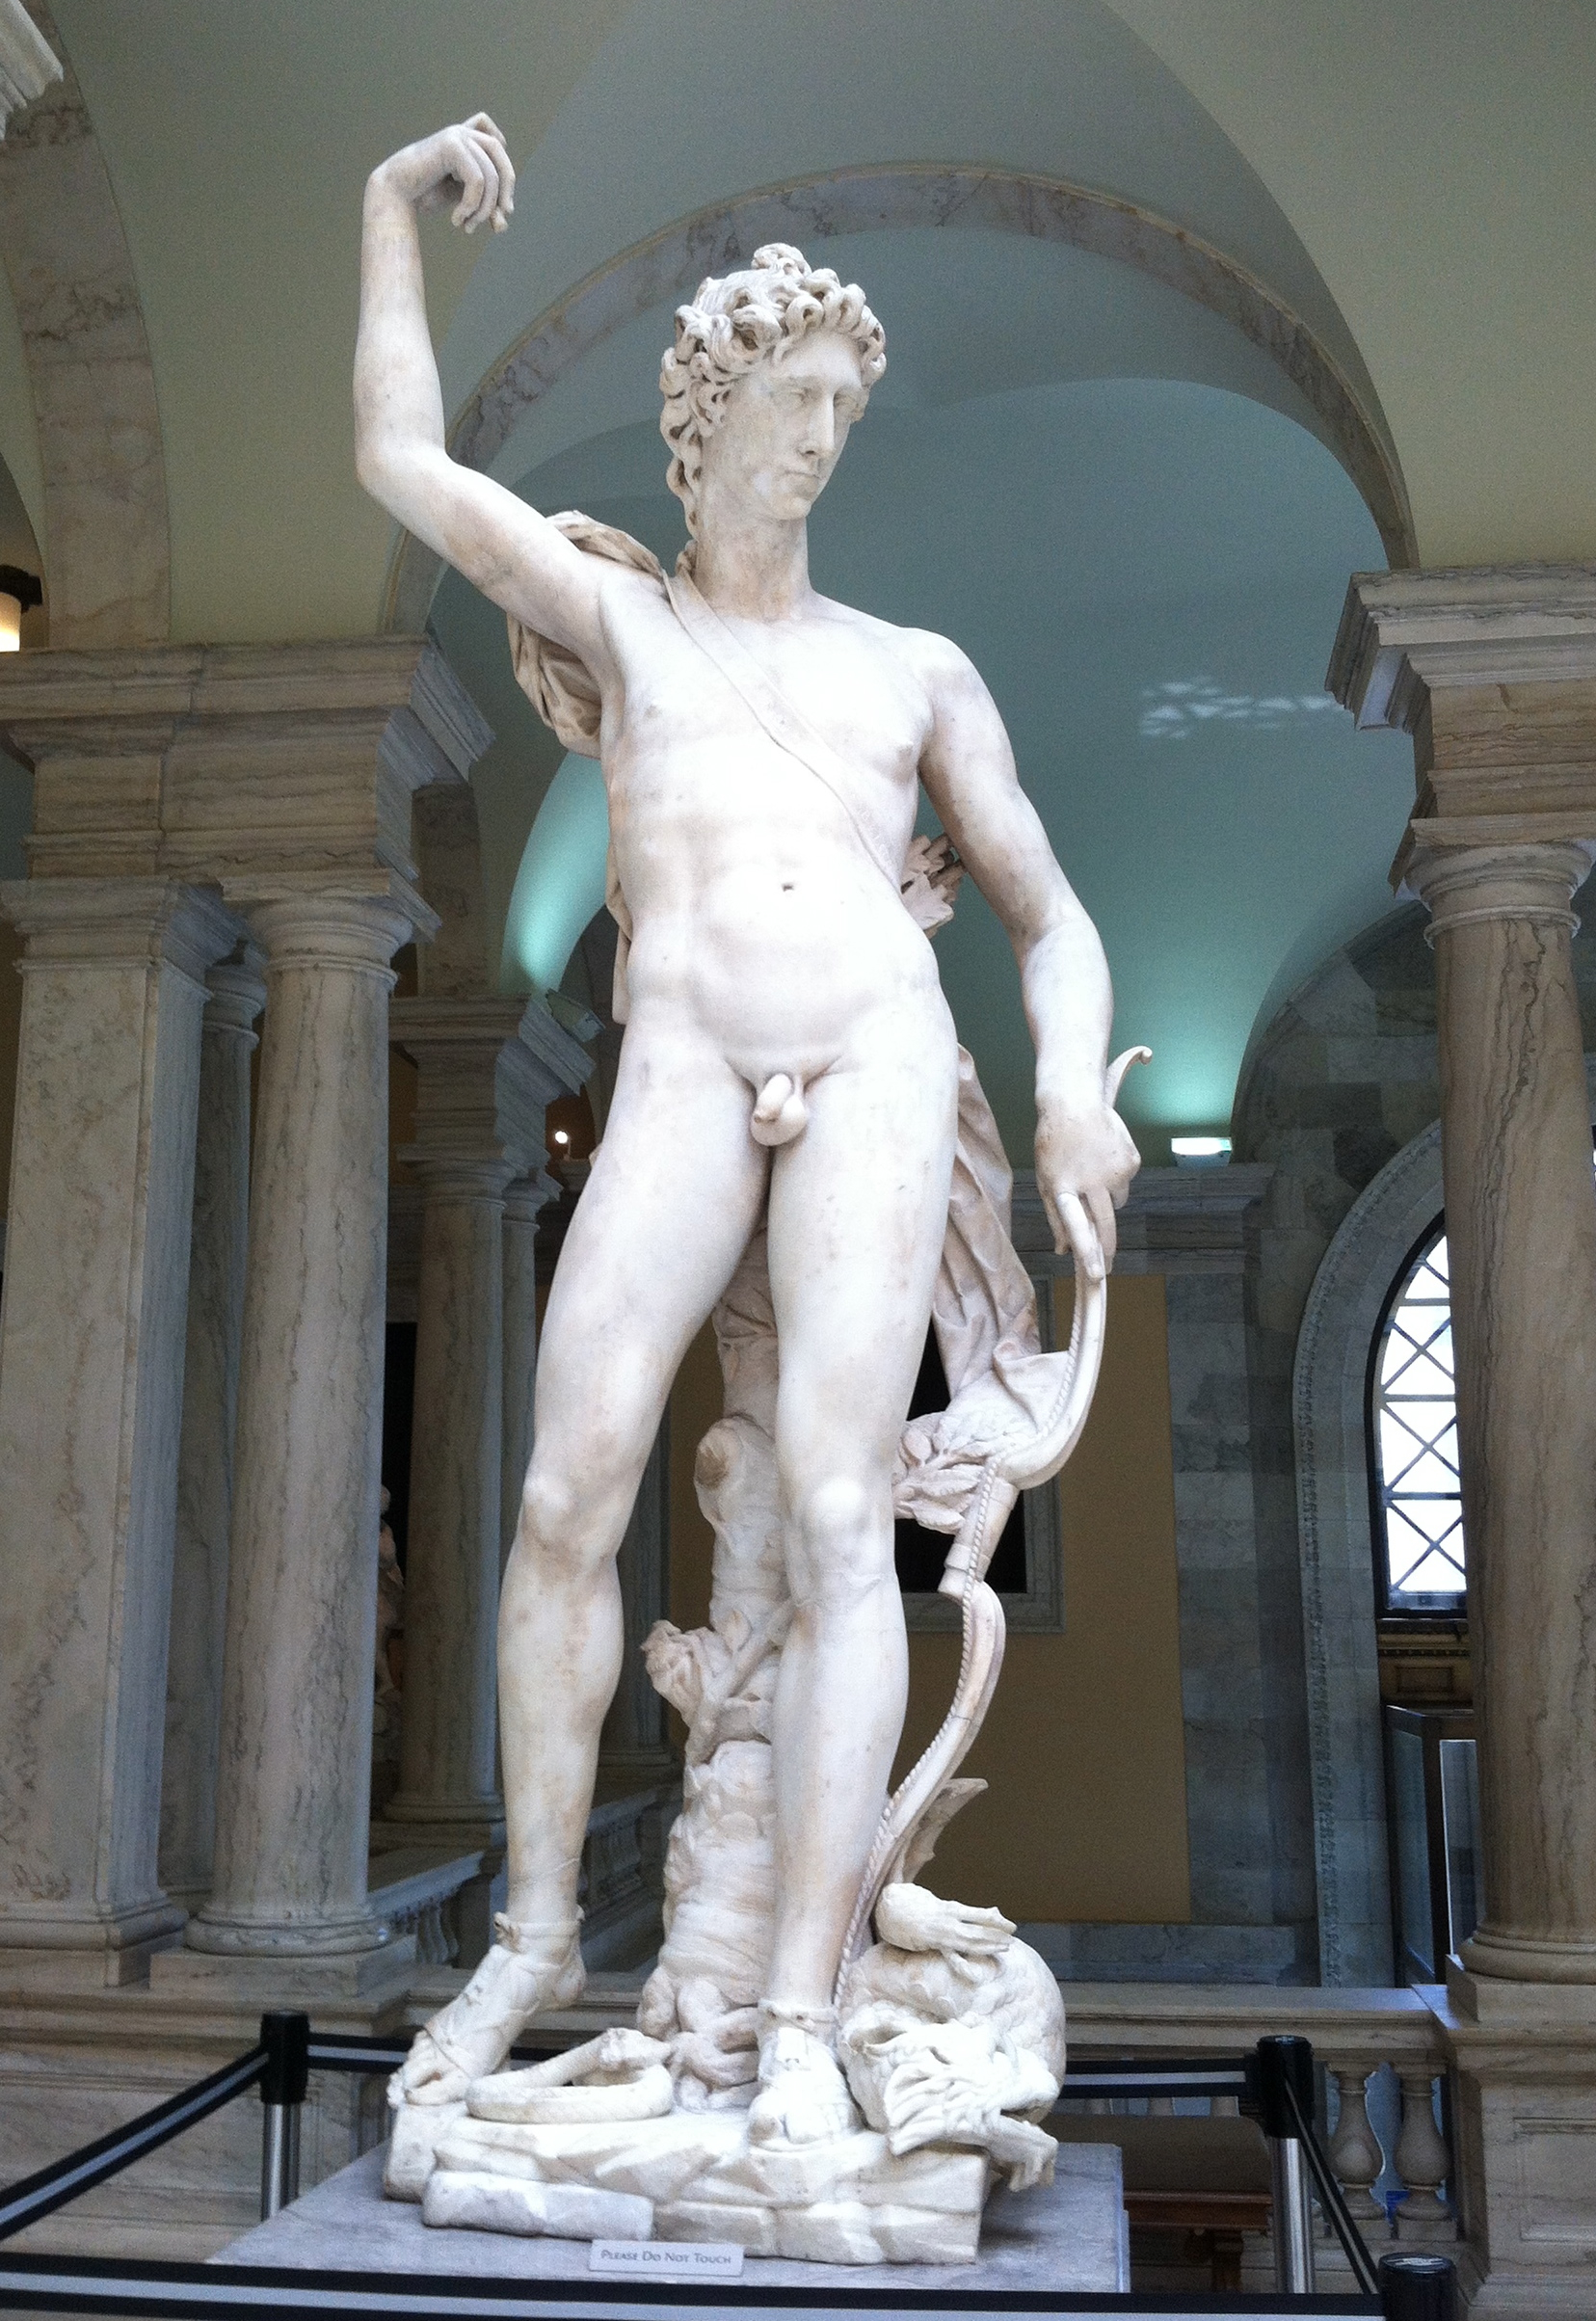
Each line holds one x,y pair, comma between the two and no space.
1424,2164
1355,2152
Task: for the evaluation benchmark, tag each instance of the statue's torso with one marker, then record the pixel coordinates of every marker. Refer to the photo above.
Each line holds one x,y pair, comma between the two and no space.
753,896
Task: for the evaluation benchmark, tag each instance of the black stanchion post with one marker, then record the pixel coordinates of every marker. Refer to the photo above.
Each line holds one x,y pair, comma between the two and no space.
286,2040
1414,2288
1284,2064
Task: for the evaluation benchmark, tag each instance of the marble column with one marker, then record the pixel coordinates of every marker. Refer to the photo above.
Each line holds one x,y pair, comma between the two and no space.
90,1397
293,1787
1521,1236
210,1415
522,1201
1494,674
482,1088
284,776
452,1567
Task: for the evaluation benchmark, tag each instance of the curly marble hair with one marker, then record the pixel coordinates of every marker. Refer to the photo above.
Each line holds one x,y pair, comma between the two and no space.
734,321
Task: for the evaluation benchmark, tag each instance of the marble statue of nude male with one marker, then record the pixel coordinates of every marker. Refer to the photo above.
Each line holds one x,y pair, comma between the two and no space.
771,963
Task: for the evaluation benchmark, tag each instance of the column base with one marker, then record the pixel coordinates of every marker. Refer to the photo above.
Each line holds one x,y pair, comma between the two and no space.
1506,2002
43,1947
1524,1958
349,1931
44,1973
1523,2107
283,1979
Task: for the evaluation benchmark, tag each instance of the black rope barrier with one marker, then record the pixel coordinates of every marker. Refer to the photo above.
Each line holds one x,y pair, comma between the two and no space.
1269,2085
1332,2200
51,2188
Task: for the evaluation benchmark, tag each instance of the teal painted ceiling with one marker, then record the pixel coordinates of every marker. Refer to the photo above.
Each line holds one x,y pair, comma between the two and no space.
1113,504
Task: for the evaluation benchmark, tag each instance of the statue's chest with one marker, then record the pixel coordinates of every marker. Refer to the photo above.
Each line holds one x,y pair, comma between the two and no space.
849,691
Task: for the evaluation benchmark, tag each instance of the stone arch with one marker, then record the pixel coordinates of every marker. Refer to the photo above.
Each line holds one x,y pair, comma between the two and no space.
107,545
670,263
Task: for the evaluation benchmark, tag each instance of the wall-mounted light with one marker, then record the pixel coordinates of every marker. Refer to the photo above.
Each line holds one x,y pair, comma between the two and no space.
1200,1152
19,590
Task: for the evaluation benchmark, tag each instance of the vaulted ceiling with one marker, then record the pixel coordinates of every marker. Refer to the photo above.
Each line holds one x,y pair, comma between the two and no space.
1316,285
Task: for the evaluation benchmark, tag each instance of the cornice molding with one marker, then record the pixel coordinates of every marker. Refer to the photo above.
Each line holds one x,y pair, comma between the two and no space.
240,765
1404,636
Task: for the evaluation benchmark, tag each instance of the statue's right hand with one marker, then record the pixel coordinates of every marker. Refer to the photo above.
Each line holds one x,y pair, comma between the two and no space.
465,169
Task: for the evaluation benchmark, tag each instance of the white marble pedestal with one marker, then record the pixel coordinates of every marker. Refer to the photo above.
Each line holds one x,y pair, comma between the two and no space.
1066,2236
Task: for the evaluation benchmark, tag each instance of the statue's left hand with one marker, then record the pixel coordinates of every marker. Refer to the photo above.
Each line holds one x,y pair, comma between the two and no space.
1085,1159
911,1918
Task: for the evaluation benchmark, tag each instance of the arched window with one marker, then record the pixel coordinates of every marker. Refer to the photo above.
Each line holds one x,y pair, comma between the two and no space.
1421,1557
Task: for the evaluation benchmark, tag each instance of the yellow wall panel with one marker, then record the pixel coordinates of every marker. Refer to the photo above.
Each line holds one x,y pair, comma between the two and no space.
1083,1748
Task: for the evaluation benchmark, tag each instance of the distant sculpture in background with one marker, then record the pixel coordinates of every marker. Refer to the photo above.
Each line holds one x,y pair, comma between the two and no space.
764,751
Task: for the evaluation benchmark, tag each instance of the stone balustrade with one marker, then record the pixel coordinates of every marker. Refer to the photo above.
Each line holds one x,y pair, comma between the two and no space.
1383,2051
413,1892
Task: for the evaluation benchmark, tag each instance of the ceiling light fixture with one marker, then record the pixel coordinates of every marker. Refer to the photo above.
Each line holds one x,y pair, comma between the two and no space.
1200,1152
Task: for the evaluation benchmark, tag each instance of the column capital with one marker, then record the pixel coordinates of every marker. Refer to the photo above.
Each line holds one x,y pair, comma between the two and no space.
563,1064
333,928
488,1069
428,1027
452,1176
237,991
119,922
525,1196
1508,880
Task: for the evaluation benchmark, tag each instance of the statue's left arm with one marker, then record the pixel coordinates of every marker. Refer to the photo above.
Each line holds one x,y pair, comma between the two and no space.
1084,1156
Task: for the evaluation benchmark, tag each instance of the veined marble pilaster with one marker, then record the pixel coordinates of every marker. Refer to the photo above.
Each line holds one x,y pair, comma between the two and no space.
1494,673
293,1787
284,776
483,1087
90,1394
1521,1233
210,1417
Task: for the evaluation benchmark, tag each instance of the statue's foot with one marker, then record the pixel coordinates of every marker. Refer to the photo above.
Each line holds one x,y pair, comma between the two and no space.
528,1968
803,2097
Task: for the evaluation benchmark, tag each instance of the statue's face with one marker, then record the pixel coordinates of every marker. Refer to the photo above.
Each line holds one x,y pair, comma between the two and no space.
784,427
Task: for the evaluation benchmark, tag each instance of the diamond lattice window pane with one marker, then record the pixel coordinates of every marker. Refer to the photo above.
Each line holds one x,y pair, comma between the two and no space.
1415,1439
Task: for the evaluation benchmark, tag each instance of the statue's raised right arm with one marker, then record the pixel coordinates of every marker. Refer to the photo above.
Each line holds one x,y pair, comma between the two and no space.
510,552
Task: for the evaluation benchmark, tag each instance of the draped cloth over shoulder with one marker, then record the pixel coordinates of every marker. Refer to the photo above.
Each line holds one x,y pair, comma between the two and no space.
1014,1412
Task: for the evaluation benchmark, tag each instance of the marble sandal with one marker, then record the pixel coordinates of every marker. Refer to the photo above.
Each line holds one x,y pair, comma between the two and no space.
803,2096
529,1968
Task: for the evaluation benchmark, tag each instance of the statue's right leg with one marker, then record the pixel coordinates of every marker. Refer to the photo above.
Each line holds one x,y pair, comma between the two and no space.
651,1246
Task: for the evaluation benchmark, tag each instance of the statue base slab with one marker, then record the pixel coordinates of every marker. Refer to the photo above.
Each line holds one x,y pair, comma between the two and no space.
1065,2236
695,2175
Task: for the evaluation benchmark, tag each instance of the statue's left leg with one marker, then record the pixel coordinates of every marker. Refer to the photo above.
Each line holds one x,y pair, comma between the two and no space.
857,1213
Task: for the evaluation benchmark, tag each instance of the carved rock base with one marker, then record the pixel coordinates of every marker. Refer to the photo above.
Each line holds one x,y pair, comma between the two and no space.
843,2201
